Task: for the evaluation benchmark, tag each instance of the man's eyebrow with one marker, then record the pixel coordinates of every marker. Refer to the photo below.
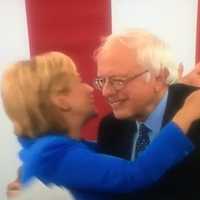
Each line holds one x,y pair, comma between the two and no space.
119,77
114,76
101,77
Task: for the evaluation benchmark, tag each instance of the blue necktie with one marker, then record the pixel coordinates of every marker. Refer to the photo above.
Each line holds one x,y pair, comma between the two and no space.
143,139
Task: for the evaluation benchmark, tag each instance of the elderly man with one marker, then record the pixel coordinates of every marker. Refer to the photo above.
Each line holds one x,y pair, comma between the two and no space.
136,74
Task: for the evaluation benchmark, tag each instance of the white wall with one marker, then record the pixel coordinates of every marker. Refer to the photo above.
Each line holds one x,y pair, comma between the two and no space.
172,20
13,46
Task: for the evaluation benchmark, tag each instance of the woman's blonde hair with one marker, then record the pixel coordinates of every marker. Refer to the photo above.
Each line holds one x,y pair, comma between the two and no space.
26,90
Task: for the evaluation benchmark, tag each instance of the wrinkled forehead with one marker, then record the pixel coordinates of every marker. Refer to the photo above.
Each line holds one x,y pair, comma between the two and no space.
117,60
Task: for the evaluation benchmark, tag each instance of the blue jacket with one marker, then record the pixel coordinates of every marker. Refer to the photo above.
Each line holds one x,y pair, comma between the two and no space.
90,175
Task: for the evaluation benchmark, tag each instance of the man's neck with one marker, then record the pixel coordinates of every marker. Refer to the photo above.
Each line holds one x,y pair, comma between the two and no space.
152,107
155,118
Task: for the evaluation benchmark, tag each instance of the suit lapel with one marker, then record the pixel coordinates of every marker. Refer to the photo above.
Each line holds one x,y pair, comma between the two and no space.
126,140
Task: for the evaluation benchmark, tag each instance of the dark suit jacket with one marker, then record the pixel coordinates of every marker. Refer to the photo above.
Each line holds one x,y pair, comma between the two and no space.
181,182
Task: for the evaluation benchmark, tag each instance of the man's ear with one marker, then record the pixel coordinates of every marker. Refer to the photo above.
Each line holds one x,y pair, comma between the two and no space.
180,70
161,79
162,76
61,102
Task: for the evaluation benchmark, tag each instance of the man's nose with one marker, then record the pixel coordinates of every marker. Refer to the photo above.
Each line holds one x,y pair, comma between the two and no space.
107,89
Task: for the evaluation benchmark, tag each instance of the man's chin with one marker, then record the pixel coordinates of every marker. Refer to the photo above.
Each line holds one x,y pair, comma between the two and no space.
121,115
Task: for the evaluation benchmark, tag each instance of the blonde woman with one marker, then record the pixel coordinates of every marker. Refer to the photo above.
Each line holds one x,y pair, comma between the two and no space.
48,104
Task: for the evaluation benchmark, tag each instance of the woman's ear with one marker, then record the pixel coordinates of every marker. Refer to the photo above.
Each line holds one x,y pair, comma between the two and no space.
61,102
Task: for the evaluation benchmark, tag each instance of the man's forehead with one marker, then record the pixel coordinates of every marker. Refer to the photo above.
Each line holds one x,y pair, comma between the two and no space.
118,57
113,71
117,67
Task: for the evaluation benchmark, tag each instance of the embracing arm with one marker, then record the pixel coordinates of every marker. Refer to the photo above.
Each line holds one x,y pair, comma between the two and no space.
80,168
77,167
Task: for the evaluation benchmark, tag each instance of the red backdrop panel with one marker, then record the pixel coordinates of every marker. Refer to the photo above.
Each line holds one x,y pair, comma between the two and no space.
74,27
198,34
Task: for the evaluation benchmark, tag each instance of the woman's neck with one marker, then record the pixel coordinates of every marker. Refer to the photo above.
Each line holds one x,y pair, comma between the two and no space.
74,133
74,127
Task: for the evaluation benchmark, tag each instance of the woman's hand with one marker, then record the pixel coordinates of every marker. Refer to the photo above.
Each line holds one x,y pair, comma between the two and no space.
192,78
13,189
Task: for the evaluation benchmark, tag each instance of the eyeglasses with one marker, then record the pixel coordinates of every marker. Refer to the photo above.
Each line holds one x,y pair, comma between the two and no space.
117,83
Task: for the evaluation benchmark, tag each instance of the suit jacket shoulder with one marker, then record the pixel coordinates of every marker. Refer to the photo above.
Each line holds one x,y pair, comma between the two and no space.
176,97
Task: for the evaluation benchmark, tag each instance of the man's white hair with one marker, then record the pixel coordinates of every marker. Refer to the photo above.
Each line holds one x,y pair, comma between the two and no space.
148,51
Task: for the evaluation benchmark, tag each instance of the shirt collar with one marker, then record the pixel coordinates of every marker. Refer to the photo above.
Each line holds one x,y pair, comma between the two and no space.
154,120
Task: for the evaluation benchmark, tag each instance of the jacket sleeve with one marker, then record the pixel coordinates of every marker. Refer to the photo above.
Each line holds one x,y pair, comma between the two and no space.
76,167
